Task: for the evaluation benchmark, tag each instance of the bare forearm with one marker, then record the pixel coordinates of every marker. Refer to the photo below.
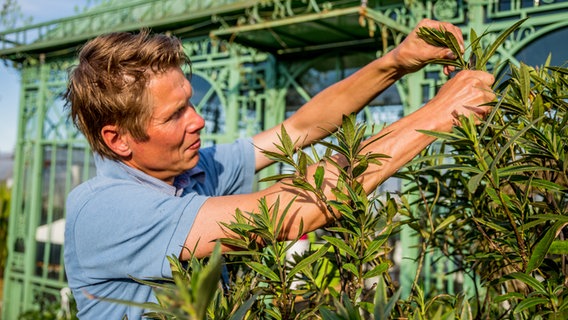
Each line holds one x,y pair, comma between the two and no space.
323,114
401,141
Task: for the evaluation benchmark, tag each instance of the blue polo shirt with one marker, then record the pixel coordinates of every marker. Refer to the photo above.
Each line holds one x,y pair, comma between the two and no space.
123,223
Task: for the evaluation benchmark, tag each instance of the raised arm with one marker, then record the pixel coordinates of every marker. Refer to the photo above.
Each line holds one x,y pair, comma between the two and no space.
462,95
323,113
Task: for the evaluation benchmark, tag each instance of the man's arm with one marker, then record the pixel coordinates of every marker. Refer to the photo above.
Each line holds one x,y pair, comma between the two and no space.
323,114
462,95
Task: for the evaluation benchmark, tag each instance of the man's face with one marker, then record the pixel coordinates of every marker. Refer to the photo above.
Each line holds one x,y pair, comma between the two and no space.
173,130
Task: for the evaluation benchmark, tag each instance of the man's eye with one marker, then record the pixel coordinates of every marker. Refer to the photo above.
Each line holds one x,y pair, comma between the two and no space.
178,113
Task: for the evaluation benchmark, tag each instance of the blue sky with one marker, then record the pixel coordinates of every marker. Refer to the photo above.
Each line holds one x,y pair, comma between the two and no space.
41,11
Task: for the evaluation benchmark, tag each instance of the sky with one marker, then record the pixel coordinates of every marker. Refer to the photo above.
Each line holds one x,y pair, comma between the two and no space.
40,11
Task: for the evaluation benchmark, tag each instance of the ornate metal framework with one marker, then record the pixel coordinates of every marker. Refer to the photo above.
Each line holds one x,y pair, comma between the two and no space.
252,63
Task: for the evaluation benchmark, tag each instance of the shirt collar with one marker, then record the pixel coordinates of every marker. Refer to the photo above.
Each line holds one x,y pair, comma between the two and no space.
120,170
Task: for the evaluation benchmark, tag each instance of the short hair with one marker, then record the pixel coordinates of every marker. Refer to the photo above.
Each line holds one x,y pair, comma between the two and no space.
108,86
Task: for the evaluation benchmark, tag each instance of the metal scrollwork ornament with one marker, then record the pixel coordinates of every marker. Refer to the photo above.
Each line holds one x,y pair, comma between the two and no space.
445,9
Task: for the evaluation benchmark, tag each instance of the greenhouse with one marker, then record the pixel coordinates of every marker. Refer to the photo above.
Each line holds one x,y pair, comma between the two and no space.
253,63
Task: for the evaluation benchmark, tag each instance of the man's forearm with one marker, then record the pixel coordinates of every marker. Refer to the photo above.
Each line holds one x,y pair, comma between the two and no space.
323,113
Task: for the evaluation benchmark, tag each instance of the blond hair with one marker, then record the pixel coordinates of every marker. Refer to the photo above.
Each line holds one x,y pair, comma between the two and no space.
108,86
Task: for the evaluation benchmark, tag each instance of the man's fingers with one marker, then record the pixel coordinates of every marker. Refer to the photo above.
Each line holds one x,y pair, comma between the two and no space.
479,112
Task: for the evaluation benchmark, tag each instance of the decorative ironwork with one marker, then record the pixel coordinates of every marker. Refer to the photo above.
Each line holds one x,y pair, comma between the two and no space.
240,89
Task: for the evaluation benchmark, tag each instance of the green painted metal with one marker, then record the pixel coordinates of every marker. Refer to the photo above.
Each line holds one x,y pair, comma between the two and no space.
253,62
119,16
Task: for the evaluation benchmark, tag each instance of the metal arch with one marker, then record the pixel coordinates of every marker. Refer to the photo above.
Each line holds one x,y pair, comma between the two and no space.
519,44
214,91
123,16
58,138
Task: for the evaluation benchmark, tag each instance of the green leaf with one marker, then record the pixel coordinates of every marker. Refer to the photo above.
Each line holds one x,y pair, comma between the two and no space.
278,177
538,183
524,84
508,296
302,184
263,270
455,47
455,167
302,163
327,314
279,157
474,182
476,51
383,309
491,225
341,245
504,149
442,135
318,176
511,170
445,223
466,313
360,168
207,282
244,309
447,62
559,247
490,51
376,271
528,280
547,217
351,268
375,245
310,260
529,303
543,245
286,141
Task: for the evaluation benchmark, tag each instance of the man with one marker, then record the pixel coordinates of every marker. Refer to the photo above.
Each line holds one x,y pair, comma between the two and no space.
156,192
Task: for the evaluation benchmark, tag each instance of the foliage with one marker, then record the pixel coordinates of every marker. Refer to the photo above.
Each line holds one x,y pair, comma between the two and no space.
501,192
494,198
479,57
50,308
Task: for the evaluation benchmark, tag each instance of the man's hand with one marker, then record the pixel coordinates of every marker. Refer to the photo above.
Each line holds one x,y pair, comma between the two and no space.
414,53
463,95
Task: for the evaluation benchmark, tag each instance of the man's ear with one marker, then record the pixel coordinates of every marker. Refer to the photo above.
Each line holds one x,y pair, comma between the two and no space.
116,141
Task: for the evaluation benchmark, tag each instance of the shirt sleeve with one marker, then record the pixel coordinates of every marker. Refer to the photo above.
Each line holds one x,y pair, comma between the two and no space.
229,168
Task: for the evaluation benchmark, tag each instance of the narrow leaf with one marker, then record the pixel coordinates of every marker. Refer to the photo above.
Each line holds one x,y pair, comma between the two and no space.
263,270
528,280
529,303
341,245
445,223
377,271
543,245
490,51
318,176
310,260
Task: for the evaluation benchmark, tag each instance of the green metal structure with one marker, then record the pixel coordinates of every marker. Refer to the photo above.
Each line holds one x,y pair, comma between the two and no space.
253,62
